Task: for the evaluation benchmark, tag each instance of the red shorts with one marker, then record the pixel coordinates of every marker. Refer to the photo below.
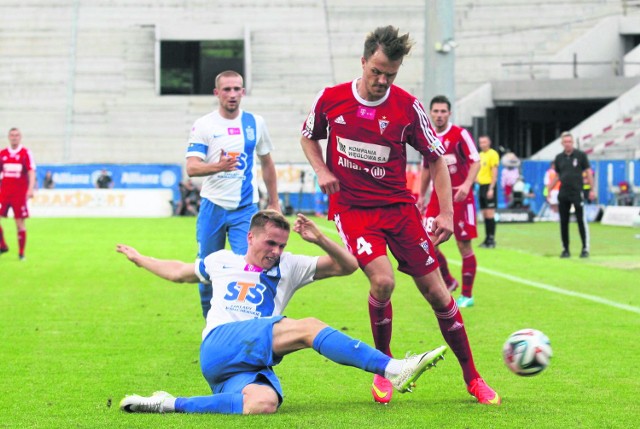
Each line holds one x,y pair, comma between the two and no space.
464,219
367,231
17,202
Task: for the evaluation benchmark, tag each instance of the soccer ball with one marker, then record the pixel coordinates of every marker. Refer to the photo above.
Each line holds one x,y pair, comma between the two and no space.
527,352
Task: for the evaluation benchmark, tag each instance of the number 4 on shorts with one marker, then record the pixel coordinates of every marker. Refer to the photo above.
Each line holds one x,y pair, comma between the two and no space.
363,246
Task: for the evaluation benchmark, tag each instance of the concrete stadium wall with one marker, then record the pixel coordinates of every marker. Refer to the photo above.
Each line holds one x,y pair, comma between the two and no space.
78,76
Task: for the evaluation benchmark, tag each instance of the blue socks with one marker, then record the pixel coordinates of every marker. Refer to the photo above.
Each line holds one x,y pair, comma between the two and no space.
344,350
219,403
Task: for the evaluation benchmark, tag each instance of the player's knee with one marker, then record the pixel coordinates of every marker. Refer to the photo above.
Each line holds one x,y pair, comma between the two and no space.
311,326
382,286
259,399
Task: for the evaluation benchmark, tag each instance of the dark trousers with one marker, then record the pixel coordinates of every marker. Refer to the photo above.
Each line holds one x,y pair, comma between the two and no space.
564,208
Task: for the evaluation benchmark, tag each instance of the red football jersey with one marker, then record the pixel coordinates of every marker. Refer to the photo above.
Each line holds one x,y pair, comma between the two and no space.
366,143
15,165
460,153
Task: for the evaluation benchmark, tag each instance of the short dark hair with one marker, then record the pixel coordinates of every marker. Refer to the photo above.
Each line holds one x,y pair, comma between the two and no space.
263,217
393,46
228,73
440,99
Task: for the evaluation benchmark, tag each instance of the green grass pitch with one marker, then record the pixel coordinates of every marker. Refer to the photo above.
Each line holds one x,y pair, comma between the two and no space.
81,327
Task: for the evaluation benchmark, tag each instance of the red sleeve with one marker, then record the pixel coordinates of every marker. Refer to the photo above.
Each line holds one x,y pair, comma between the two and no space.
424,138
315,126
30,163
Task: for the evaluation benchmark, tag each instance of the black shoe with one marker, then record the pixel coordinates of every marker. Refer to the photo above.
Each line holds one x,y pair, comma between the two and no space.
4,250
488,243
565,254
584,253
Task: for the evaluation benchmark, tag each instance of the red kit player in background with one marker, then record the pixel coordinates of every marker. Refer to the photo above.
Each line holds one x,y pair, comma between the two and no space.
18,181
367,124
463,162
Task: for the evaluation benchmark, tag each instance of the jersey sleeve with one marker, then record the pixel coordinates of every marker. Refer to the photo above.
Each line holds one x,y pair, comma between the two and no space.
315,126
585,162
494,160
469,146
197,144
264,146
302,269
30,162
423,137
201,271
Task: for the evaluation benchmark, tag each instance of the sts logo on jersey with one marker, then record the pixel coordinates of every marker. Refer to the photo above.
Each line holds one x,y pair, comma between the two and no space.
245,292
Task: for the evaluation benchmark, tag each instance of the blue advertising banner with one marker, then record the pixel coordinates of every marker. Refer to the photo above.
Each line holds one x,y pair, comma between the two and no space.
124,176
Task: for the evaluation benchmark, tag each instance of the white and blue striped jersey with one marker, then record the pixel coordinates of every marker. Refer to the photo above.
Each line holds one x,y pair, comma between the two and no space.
243,138
242,291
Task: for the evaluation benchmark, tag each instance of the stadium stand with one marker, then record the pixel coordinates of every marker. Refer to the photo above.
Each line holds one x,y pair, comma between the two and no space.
80,78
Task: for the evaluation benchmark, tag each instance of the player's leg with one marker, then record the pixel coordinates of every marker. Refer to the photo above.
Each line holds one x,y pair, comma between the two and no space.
361,233
382,282
490,226
246,393
432,211
465,230
583,227
412,248
290,335
252,398
564,208
450,281
211,236
238,222
233,356
4,210
452,328
469,267
3,245
21,231
489,214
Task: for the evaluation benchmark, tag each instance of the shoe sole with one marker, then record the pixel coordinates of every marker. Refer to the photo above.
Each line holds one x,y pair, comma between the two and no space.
428,361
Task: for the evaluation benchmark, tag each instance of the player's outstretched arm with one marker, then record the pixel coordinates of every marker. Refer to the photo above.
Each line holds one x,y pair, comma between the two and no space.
175,271
337,262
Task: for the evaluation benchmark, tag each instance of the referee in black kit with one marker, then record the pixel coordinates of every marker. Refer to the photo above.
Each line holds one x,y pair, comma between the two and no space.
569,164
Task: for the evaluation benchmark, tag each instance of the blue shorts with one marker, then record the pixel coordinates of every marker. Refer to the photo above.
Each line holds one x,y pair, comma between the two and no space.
214,223
236,354
212,227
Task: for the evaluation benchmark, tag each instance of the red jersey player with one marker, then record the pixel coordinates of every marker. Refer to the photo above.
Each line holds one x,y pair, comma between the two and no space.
367,124
18,180
463,162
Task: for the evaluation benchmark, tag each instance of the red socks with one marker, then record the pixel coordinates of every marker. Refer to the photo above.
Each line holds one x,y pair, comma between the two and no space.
380,315
454,333
469,266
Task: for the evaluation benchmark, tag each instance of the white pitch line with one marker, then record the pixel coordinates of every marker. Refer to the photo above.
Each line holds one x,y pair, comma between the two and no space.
538,285
556,289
